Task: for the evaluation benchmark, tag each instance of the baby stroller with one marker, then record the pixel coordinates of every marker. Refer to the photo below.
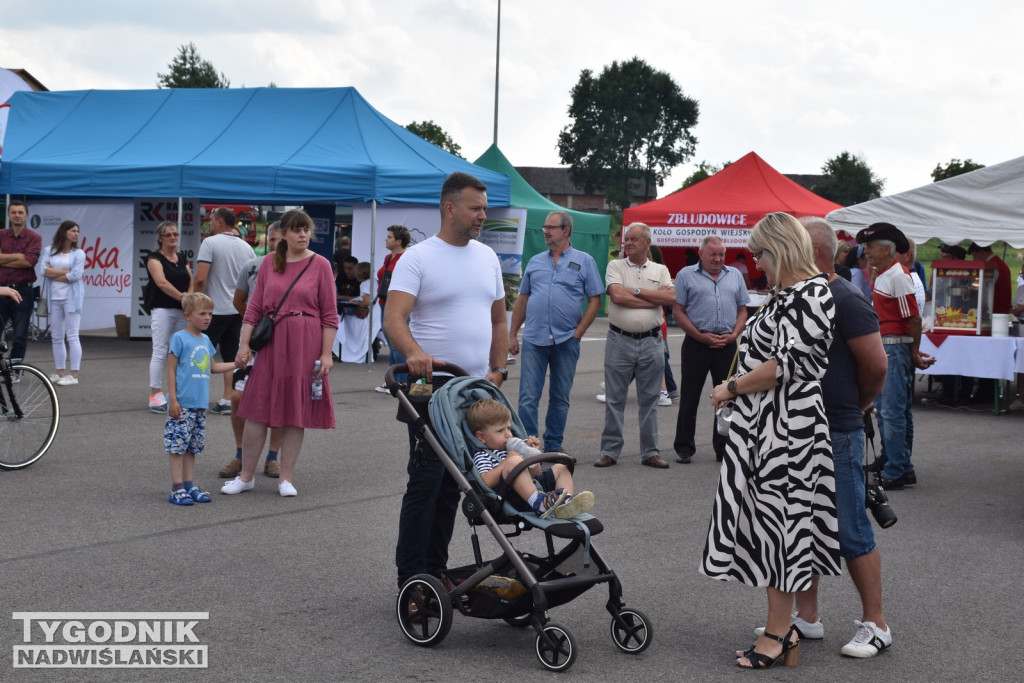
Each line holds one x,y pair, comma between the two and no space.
518,587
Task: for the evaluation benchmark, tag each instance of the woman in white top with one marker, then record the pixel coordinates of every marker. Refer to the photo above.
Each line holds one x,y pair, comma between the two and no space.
61,266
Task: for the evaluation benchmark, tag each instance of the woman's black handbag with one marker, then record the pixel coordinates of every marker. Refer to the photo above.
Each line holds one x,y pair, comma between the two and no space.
263,332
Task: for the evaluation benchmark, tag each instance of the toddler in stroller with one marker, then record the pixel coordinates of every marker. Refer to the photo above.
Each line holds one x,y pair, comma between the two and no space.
543,491
517,586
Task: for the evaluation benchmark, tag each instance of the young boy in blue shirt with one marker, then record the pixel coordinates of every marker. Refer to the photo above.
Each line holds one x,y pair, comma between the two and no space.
189,366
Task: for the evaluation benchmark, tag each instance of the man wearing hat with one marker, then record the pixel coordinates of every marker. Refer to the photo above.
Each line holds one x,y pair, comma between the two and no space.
900,323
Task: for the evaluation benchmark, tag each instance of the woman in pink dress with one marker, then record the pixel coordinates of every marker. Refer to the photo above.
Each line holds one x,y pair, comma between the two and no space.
279,389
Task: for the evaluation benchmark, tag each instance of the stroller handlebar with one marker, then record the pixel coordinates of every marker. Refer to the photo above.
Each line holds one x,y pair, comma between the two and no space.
439,366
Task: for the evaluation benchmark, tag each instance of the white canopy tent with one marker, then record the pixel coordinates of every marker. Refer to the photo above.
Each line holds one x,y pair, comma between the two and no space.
982,206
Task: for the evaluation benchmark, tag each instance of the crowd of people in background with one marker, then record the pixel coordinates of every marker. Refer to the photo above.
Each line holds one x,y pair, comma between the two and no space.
837,338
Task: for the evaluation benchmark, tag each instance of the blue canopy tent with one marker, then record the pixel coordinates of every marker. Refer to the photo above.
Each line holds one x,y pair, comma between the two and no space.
247,145
266,145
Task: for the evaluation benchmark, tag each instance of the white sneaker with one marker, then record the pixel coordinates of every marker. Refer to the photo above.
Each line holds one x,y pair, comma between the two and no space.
56,378
868,641
600,398
158,402
286,489
808,631
382,389
236,485
664,400
67,381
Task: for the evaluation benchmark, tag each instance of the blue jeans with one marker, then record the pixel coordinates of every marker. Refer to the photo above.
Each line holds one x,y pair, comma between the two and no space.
394,357
20,315
894,404
561,359
427,520
856,536
626,359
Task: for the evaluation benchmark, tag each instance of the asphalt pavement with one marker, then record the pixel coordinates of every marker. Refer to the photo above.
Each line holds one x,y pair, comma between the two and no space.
303,589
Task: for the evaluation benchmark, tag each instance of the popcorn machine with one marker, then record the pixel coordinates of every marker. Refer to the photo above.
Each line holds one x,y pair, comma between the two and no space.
962,293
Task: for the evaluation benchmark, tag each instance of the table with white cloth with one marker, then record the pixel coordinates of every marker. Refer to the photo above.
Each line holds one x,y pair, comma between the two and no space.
999,358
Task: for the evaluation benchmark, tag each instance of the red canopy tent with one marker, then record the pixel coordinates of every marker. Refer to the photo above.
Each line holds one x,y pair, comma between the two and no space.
727,204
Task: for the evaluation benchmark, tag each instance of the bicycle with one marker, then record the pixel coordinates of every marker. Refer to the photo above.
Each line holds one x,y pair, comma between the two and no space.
29,412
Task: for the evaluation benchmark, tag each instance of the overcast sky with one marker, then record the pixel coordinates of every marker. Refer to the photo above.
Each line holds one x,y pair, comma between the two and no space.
905,85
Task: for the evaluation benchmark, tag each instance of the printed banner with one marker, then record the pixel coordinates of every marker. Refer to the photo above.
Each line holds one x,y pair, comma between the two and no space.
733,238
106,238
148,214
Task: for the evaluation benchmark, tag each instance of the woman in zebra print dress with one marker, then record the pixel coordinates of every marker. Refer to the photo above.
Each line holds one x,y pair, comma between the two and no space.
774,520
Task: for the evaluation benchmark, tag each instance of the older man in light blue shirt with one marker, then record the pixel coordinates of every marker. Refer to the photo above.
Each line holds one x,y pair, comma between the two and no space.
551,296
711,308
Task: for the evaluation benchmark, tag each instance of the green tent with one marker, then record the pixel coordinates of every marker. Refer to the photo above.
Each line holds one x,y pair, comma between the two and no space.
589,231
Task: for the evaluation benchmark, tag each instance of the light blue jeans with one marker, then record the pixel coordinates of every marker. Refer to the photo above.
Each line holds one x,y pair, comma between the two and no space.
626,359
894,406
561,359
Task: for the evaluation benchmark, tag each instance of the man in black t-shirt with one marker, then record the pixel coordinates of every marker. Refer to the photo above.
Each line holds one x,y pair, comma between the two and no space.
857,366
347,282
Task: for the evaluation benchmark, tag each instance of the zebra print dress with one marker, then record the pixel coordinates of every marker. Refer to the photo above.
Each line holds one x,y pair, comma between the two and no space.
774,521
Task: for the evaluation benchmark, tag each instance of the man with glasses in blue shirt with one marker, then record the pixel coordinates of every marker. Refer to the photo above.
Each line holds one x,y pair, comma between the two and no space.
551,296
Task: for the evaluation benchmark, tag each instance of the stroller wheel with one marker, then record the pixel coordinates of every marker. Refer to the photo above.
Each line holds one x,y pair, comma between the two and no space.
556,647
632,631
424,610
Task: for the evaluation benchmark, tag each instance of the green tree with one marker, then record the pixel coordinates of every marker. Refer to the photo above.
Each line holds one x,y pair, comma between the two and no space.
703,172
189,70
849,180
434,134
955,167
629,123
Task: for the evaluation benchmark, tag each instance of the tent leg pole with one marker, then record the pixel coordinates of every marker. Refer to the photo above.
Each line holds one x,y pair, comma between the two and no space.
373,284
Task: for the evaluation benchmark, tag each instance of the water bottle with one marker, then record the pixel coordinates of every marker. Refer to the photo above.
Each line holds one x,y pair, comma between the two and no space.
318,382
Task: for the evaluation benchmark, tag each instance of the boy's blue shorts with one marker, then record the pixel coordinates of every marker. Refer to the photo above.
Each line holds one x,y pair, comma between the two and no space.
187,434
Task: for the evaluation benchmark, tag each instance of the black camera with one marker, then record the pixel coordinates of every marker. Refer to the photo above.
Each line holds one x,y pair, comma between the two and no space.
878,502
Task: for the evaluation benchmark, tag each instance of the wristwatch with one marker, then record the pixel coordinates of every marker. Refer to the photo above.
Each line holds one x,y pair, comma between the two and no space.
636,292
731,386
501,371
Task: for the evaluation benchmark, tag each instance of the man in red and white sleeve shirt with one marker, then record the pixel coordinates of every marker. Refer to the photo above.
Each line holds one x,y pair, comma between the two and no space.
900,323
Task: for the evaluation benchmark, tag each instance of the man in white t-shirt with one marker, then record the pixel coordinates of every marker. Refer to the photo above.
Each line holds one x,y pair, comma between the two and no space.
446,303
221,258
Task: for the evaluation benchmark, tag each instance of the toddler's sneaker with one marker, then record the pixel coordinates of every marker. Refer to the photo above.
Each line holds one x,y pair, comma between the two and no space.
868,641
180,497
198,495
236,485
575,504
158,402
547,503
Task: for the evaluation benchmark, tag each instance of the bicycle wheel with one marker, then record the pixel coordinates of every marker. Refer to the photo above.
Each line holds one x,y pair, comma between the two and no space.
31,413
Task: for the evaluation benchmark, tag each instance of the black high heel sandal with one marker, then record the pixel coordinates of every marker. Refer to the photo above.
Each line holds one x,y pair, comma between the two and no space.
790,652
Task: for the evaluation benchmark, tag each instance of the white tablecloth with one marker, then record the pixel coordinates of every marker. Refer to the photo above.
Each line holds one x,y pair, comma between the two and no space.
969,356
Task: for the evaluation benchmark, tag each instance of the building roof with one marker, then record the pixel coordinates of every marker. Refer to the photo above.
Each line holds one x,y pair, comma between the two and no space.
30,80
